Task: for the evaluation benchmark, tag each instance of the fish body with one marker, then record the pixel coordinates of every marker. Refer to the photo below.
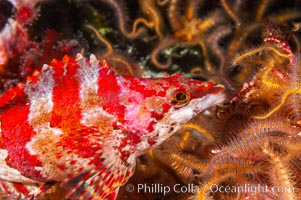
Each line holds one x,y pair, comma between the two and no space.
78,123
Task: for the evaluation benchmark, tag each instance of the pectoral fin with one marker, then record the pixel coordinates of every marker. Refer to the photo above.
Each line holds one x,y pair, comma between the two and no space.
102,182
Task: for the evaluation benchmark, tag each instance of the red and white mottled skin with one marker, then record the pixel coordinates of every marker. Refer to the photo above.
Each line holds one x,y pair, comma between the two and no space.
78,123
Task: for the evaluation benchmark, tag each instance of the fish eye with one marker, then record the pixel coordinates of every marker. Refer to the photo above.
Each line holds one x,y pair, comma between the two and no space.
180,97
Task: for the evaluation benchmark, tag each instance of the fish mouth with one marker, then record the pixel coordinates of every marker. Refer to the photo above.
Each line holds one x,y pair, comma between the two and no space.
214,96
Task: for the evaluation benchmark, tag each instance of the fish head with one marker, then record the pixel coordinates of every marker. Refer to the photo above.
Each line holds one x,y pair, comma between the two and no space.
157,107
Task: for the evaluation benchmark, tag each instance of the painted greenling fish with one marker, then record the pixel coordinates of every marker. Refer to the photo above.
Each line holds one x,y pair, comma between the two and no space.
79,124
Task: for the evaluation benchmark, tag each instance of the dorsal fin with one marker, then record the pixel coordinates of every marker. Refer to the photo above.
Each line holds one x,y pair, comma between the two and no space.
107,70
103,65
